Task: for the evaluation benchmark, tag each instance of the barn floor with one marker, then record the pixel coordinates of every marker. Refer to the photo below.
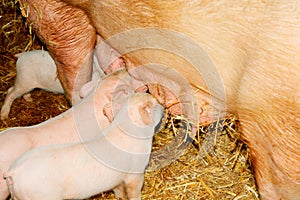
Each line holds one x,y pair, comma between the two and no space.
223,173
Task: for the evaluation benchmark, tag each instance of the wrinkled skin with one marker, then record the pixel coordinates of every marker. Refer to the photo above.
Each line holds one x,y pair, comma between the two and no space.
255,47
89,176
83,41
69,126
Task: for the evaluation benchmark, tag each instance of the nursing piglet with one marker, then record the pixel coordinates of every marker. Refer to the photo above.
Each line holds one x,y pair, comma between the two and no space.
81,122
115,160
35,69
106,57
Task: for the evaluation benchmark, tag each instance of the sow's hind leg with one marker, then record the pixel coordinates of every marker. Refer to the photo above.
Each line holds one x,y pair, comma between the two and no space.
70,39
269,112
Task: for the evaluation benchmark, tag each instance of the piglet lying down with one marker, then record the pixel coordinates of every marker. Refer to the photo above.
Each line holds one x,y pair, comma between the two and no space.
116,159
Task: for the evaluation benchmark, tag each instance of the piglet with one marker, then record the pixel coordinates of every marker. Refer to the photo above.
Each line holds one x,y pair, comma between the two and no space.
106,57
81,122
115,160
37,69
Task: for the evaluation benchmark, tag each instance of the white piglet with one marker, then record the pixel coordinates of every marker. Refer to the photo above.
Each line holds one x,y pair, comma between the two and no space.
36,69
80,123
114,160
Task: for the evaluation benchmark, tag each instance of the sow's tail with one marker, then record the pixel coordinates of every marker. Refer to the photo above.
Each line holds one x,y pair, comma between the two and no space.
10,185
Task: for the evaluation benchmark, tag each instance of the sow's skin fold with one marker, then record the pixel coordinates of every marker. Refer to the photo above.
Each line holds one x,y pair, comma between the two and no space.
115,160
254,47
79,123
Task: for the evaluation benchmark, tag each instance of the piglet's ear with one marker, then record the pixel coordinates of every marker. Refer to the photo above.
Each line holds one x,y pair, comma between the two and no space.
118,93
109,94
107,112
88,88
146,112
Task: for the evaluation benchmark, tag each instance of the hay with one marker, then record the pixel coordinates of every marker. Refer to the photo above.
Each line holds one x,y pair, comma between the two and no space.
215,166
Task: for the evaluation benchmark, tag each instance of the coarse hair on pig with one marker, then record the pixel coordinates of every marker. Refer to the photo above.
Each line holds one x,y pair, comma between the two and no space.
68,28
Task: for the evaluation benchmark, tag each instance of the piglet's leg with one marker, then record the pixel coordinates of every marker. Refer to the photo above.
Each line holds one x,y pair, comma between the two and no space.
13,93
27,97
134,186
120,192
3,189
69,37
